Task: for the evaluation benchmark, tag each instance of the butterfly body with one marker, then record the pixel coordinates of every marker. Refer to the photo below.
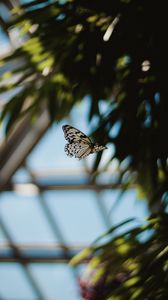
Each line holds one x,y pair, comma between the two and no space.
79,145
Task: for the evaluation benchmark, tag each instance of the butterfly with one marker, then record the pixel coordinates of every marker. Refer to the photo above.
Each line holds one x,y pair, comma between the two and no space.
79,144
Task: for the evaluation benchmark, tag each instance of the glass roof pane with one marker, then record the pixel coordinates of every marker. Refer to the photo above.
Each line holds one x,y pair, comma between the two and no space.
4,12
24,219
77,214
4,41
21,176
2,237
13,283
56,281
124,207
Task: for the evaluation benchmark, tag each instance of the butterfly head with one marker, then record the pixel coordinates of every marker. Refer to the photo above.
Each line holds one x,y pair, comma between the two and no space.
97,147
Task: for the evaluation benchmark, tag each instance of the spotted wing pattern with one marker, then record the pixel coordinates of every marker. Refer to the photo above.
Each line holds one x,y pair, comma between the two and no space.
79,145
78,150
73,135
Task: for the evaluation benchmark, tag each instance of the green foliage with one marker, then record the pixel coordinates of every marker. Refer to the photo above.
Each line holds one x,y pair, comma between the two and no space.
128,266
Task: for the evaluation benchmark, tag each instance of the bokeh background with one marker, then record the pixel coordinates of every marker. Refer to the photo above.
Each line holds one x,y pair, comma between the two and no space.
51,206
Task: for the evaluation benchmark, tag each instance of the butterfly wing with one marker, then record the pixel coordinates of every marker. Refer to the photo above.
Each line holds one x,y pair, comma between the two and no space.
73,135
79,145
79,150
